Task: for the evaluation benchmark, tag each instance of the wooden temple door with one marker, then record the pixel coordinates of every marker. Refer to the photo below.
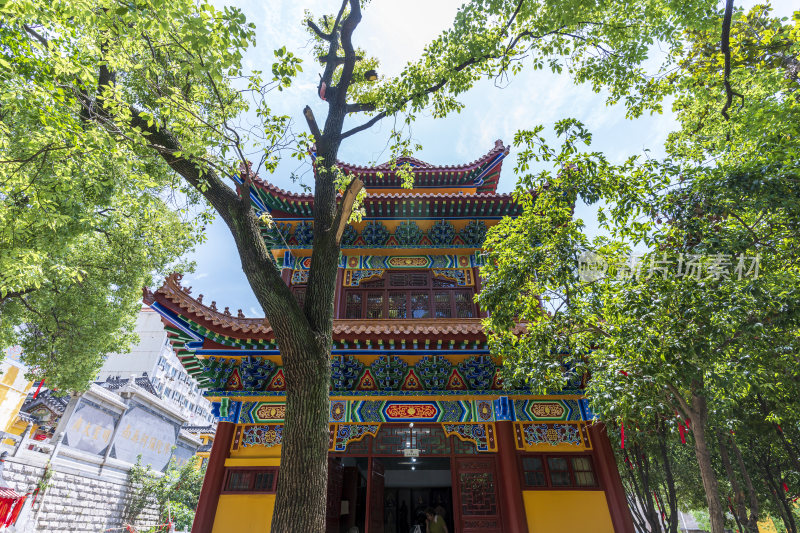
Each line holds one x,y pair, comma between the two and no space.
475,483
375,496
334,508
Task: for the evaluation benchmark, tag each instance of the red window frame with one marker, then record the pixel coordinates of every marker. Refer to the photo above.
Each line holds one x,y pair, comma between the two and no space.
546,470
383,289
247,477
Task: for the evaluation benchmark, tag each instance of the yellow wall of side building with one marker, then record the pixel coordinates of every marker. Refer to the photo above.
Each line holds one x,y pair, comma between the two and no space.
245,513
13,391
567,511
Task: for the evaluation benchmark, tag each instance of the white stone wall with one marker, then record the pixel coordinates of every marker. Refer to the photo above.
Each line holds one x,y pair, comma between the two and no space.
74,501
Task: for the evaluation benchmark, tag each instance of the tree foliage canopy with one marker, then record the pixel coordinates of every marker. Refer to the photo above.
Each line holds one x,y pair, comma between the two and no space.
109,109
704,322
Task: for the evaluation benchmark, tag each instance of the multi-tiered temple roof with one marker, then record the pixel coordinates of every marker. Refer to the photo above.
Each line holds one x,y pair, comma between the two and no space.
430,236
412,374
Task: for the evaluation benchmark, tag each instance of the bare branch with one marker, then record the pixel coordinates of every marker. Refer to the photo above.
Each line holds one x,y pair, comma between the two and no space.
321,34
312,123
365,126
330,67
350,58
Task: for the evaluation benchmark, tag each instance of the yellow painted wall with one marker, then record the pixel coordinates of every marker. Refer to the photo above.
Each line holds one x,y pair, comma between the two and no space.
567,511
244,513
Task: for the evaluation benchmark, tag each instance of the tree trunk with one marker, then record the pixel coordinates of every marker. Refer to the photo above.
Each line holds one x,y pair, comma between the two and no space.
740,511
636,502
300,504
752,496
672,498
710,485
301,499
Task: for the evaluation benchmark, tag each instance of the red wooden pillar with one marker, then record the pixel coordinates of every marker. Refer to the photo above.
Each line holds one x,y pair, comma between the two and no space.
607,471
476,275
337,297
512,505
215,475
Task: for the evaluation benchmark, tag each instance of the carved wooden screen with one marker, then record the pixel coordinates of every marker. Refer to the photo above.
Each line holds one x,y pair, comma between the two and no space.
393,439
476,483
334,508
409,294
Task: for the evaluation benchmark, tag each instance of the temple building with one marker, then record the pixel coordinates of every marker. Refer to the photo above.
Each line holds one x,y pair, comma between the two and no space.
418,414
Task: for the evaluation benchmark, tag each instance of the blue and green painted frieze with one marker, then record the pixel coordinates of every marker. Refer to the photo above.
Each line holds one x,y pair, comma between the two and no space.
376,234
376,411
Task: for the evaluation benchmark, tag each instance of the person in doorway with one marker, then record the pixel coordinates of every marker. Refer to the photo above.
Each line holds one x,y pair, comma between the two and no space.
434,522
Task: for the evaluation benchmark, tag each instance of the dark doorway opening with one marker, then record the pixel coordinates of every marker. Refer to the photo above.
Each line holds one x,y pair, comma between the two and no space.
347,494
412,485
395,490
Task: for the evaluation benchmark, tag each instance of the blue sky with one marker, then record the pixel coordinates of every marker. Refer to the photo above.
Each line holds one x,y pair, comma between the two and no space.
396,32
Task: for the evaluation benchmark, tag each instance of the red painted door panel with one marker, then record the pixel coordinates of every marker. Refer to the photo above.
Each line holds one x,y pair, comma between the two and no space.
476,495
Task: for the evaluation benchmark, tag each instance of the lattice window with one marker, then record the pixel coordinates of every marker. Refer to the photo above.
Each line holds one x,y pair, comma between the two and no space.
533,469
392,440
408,279
413,294
240,480
420,305
463,304
584,475
441,304
432,441
374,305
359,447
264,481
563,471
353,305
559,471
397,305
462,447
